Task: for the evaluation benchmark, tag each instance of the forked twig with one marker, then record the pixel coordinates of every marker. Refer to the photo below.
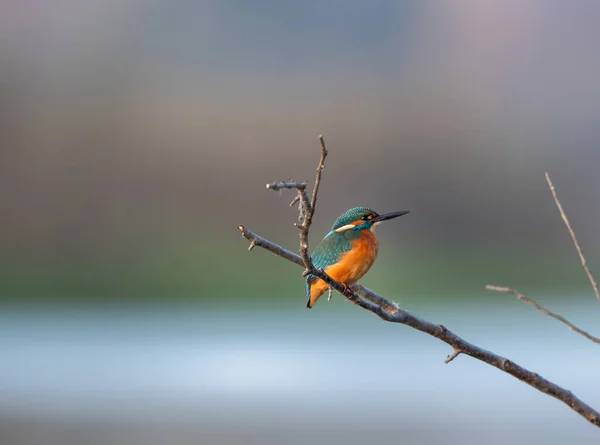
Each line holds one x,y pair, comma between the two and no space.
306,208
532,302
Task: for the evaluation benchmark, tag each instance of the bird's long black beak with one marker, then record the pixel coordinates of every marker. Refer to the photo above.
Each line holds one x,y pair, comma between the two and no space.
387,216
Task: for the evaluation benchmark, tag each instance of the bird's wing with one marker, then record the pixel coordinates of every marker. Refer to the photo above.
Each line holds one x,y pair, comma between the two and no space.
329,250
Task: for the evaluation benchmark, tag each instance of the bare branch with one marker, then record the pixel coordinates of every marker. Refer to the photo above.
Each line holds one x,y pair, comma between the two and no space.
574,237
532,303
389,311
268,245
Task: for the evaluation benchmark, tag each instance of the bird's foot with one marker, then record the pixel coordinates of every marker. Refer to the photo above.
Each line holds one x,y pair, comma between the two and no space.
347,291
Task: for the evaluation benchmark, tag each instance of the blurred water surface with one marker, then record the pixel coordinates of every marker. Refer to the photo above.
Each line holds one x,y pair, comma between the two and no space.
334,374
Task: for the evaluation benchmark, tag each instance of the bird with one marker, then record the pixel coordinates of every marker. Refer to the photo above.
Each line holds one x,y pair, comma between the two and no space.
348,251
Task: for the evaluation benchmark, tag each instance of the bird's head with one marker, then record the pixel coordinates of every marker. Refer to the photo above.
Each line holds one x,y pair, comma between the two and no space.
361,218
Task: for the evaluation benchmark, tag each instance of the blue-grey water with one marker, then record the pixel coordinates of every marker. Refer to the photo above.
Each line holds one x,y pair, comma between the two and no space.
335,374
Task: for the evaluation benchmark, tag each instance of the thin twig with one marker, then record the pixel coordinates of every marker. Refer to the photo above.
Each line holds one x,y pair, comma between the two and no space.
320,168
452,356
270,246
529,301
396,315
286,185
574,237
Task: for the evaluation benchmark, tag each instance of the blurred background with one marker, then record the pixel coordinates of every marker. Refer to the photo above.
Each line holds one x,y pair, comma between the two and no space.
136,136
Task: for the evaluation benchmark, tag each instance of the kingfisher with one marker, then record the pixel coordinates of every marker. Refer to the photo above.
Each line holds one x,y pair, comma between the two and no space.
348,251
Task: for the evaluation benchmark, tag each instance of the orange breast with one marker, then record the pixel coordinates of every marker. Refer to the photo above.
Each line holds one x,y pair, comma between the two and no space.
354,264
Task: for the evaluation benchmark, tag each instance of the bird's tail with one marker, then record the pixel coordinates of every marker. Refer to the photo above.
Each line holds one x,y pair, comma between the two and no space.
312,299
309,282
314,289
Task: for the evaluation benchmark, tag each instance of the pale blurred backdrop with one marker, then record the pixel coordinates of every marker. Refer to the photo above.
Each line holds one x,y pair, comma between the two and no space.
135,137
